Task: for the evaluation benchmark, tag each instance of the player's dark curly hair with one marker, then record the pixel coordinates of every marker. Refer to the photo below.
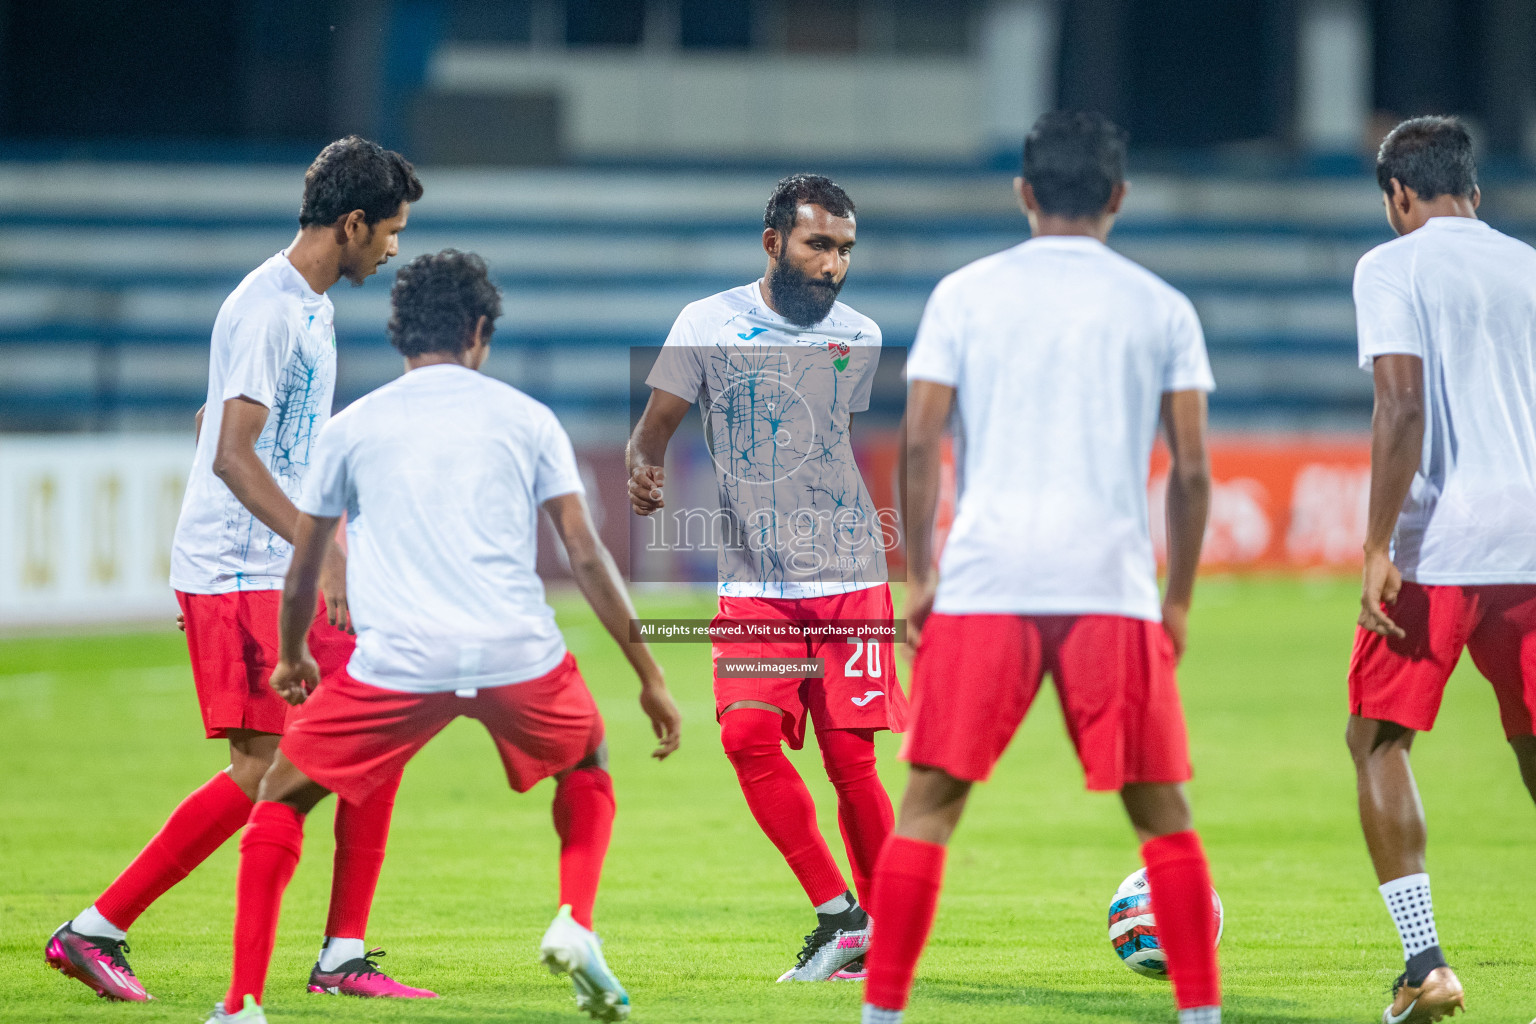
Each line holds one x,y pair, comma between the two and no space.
355,174
1431,155
1073,159
799,189
437,300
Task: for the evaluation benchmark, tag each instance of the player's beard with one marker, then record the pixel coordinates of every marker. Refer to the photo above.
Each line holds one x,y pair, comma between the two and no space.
355,272
358,266
799,298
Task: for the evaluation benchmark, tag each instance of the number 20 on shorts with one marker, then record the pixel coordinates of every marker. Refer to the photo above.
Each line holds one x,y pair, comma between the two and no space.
871,667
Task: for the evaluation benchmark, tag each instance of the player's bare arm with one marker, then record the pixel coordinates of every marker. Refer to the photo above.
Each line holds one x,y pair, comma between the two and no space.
237,464
1397,441
297,673
597,575
922,438
646,451
1189,506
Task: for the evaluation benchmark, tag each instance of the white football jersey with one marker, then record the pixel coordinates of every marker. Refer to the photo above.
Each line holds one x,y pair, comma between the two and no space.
1060,351
274,343
1462,297
442,473
776,399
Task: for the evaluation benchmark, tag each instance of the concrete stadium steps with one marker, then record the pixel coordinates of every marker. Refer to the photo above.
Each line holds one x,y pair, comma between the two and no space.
110,277
115,255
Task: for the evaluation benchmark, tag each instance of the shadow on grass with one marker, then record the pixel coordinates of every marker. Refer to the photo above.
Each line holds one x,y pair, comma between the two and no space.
430,1012
1116,1005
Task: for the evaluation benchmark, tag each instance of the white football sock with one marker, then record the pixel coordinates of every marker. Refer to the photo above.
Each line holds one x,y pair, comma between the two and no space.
1200,1015
1412,911
880,1015
90,922
336,952
836,905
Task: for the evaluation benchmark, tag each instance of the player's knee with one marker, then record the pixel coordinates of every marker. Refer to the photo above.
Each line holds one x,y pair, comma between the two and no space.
1358,736
1157,809
848,755
1525,755
746,729
583,778
932,805
247,773
1367,738
751,738
285,783
597,760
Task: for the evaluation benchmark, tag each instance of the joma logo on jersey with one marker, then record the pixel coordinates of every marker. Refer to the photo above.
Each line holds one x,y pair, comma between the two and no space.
754,332
840,359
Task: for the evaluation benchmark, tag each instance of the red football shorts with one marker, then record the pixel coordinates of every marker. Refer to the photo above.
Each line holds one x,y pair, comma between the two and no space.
349,736
1403,680
233,640
976,675
859,690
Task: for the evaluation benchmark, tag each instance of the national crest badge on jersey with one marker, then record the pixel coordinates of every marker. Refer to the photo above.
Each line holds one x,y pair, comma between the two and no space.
840,358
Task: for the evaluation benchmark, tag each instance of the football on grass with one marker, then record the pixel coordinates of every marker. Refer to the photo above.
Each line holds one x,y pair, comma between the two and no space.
1133,931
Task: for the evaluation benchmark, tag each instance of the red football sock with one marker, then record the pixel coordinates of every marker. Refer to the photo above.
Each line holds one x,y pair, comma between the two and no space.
199,825
269,851
362,832
779,800
906,898
864,813
1180,881
583,812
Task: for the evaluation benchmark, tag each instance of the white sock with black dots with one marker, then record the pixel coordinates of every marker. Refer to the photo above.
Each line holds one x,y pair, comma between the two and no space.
880,1015
1200,1015
1412,911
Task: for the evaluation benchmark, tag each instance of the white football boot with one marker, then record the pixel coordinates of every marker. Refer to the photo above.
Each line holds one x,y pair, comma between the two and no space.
839,939
568,948
249,1014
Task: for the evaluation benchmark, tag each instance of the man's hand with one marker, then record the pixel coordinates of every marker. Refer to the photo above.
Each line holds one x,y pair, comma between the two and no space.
1176,625
666,723
645,493
919,603
181,621
333,587
1380,585
293,681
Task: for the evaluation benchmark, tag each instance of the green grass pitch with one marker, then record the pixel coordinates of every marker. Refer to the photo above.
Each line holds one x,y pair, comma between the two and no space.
102,738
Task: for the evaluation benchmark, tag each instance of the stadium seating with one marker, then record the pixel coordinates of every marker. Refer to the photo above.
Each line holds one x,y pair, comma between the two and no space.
110,277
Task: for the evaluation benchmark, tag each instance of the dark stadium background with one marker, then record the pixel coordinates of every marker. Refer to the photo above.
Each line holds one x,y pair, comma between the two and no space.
610,159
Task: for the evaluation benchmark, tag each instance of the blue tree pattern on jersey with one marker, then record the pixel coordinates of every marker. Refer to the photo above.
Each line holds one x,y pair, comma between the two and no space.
300,406
777,425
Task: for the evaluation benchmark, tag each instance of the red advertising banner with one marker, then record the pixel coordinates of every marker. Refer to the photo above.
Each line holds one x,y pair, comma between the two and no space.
1276,502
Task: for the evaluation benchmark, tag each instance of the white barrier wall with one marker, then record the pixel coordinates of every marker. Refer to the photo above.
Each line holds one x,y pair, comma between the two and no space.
86,524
